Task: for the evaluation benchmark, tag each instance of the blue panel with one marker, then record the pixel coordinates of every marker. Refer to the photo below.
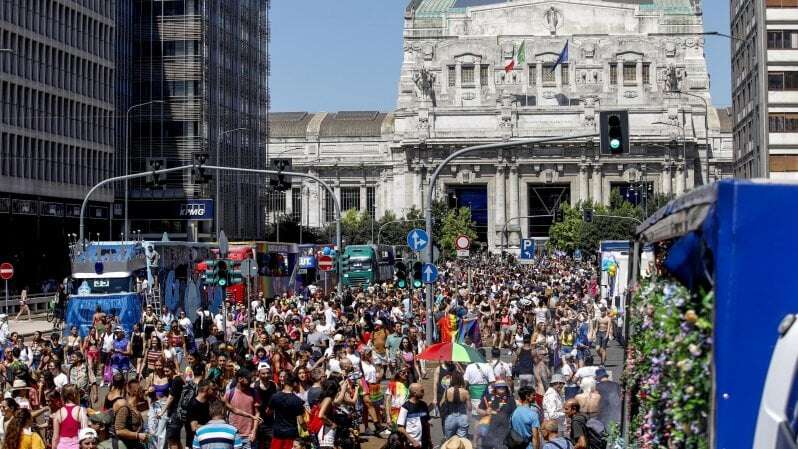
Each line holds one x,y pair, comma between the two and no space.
80,310
475,199
615,245
755,271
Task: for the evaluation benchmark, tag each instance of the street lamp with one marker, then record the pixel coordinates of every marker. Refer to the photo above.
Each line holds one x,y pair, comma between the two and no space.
681,126
219,175
127,155
6,50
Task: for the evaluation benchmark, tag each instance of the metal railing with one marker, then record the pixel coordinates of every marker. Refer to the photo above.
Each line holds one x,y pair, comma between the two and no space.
37,303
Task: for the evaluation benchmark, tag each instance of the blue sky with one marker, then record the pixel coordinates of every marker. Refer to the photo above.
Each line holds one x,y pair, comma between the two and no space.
330,55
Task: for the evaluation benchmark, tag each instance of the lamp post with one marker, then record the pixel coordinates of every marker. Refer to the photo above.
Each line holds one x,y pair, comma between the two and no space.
127,155
219,176
706,127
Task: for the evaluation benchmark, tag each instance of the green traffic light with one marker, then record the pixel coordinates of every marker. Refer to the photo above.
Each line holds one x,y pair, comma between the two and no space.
615,144
416,283
222,282
401,283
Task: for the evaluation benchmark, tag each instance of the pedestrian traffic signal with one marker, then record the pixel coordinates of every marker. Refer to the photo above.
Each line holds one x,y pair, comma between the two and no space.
343,260
198,175
614,132
559,216
587,215
279,181
154,180
221,274
417,280
401,275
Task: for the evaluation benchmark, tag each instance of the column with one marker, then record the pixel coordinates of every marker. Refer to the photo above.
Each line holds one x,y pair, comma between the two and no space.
538,80
363,200
619,81
666,179
679,179
337,189
418,187
500,202
639,77
597,183
513,202
584,190
289,202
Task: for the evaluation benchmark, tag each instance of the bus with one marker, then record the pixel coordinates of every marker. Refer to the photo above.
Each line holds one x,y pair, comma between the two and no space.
369,265
277,268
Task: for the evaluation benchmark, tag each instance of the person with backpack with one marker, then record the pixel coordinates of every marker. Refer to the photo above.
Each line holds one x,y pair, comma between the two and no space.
525,422
585,433
551,435
243,405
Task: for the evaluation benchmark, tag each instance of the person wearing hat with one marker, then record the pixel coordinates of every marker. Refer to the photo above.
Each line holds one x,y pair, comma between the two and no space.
88,438
457,442
553,402
101,424
610,402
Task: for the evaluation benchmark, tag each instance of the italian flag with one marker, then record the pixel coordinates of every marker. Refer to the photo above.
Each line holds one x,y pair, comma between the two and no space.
518,59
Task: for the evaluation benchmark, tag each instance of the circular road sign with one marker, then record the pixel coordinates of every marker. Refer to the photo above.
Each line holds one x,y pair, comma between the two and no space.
6,271
462,242
325,263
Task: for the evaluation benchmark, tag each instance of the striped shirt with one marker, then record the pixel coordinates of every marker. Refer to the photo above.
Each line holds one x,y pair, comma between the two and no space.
217,434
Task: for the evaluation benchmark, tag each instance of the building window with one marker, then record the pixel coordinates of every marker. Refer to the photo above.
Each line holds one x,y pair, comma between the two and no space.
350,198
548,75
783,80
564,74
613,74
646,73
296,205
467,75
783,39
533,75
371,204
275,201
783,122
452,75
329,207
781,3
483,75
629,73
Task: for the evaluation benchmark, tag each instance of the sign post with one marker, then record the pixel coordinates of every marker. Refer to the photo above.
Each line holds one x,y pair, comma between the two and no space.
325,263
417,239
6,273
462,243
527,251
429,273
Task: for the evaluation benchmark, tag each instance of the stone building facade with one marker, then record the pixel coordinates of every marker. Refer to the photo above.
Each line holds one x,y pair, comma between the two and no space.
455,91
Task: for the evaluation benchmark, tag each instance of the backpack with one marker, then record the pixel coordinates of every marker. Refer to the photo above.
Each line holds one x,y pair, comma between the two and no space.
315,423
189,392
514,440
595,433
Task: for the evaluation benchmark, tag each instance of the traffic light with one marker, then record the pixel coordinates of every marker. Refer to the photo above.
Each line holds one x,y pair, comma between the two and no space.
614,132
221,274
280,182
559,216
417,280
198,175
587,215
153,179
401,275
343,261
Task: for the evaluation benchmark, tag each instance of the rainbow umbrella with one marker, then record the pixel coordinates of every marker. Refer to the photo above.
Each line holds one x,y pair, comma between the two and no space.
451,352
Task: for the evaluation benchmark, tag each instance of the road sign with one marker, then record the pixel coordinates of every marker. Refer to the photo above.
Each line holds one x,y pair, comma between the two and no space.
325,263
6,271
248,268
417,239
462,242
463,253
527,251
429,273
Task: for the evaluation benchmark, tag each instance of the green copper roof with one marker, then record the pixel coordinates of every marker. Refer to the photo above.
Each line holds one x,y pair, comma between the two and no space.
671,7
434,7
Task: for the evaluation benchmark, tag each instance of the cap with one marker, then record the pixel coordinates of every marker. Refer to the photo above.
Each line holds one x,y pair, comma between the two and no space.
86,433
557,379
118,329
378,323
601,373
264,365
500,384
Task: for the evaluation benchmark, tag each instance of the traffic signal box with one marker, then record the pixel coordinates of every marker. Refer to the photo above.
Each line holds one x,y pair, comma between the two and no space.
343,263
614,127
222,273
417,279
280,182
587,215
559,215
401,275
198,175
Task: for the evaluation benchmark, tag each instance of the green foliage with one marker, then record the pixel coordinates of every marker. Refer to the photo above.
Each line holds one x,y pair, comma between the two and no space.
573,233
457,222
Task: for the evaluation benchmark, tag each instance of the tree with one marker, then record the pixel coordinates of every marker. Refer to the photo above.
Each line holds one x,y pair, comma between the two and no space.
457,222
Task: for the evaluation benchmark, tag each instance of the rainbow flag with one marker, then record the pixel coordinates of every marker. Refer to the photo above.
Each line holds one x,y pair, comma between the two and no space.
470,328
447,326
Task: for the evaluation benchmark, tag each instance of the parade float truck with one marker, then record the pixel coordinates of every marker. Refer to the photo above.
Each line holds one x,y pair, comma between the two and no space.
367,265
712,359
111,276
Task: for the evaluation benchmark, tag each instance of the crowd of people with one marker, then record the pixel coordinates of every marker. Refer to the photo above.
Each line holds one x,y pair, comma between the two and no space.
321,371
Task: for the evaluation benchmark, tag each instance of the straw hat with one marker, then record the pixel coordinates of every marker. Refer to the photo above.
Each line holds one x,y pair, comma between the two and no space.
19,384
456,442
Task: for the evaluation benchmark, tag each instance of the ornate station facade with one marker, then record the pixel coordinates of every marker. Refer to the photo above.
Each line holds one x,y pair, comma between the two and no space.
456,90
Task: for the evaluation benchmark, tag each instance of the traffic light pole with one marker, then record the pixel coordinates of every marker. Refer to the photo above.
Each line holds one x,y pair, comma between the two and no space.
431,191
621,217
218,169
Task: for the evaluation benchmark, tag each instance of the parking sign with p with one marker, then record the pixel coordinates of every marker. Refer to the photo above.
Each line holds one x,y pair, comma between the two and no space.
527,251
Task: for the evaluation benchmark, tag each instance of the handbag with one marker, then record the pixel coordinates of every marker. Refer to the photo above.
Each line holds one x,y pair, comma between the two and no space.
108,374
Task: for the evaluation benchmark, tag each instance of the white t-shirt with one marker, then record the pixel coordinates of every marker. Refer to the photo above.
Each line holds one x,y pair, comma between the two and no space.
502,370
479,374
60,380
369,373
108,342
586,372
185,323
355,360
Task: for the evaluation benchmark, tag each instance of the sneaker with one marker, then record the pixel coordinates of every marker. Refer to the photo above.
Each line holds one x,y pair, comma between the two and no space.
385,433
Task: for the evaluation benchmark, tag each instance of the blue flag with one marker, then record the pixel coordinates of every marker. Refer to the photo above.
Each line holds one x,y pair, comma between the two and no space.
563,58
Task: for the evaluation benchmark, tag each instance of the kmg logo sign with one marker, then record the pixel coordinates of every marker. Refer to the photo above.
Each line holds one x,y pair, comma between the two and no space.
196,210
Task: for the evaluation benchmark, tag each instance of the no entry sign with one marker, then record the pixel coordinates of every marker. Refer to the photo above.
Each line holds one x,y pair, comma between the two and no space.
325,263
6,271
462,242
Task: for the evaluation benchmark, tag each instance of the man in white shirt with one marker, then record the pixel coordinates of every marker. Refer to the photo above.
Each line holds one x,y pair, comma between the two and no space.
501,370
587,371
478,376
552,401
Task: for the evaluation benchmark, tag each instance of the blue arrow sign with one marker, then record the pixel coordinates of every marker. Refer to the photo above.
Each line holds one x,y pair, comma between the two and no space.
429,273
527,249
417,239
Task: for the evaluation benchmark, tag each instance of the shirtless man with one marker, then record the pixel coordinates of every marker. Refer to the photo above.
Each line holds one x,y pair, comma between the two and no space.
603,335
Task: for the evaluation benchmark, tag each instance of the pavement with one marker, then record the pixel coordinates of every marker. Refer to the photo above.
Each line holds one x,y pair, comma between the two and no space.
28,328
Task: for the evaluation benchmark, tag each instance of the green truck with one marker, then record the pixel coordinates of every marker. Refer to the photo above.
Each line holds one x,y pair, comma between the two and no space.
364,265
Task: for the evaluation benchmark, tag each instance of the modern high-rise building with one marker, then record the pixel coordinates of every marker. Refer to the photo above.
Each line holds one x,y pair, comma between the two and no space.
197,84
56,129
764,84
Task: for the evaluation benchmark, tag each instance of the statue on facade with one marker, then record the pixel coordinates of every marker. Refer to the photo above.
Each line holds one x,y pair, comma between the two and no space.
552,16
425,82
672,79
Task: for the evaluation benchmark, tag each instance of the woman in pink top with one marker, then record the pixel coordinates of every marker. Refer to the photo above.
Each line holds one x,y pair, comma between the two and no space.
69,419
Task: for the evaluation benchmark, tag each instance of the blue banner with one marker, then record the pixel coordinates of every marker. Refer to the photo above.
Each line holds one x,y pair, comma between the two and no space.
80,310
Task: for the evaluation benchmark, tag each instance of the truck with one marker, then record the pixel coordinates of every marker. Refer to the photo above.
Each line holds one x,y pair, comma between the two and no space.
368,265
